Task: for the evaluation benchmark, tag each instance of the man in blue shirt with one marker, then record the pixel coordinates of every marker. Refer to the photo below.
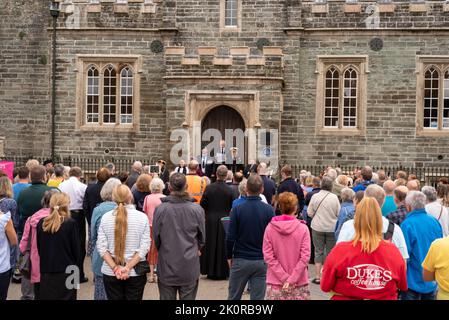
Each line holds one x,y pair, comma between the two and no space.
23,183
244,243
367,175
420,230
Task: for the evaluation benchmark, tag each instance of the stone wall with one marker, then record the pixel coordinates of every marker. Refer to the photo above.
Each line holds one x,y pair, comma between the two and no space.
391,105
295,31
150,140
24,77
397,14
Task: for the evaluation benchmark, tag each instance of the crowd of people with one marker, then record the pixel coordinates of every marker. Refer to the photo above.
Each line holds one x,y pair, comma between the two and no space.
369,235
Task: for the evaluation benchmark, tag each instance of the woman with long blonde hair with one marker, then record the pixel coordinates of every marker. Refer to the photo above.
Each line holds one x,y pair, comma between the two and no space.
367,267
58,245
123,243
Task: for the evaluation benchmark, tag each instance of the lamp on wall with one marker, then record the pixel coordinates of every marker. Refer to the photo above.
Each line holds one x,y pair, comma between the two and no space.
54,11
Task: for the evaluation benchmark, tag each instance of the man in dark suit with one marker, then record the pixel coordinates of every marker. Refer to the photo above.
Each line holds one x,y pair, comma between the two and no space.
206,164
236,163
269,186
251,167
222,156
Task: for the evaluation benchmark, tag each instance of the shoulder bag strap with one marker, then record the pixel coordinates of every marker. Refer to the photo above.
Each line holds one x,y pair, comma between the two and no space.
441,212
389,234
28,248
321,203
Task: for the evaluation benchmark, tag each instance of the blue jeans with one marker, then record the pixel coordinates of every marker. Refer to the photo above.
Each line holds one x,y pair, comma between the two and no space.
413,295
242,271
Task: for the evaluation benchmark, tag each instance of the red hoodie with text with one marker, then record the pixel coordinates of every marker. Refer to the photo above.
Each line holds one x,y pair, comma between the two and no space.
350,273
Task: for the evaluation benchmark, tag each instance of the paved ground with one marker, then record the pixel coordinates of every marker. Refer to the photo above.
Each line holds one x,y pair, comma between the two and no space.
208,289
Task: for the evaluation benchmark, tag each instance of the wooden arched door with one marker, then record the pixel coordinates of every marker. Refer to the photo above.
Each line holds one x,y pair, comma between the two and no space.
222,118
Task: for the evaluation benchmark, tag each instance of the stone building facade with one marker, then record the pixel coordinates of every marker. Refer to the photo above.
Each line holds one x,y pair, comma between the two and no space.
347,82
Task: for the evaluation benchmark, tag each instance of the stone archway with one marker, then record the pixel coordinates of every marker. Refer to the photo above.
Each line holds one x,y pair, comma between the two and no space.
199,103
224,118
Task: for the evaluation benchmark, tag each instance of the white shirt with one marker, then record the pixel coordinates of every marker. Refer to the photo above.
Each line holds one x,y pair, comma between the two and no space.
435,209
347,233
264,199
137,237
203,161
180,170
76,190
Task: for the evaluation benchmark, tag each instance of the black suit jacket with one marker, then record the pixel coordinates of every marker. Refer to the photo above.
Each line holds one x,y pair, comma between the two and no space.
249,169
210,165
91,199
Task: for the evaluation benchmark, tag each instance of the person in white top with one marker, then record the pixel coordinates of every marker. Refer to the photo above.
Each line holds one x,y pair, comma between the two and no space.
436,209
123,242
324,208
76,190
347,231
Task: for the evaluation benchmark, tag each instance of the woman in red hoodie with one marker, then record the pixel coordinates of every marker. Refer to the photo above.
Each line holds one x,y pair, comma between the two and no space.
367,267
286,250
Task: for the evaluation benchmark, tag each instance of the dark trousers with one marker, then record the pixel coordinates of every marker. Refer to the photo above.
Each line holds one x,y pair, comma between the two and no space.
80,218
170,292
37,288
5,278
130,289
413,295
53,286
244,271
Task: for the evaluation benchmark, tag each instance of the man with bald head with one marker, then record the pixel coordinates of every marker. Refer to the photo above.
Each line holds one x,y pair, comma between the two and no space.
413,185
389,205
136,170
269,187
390,231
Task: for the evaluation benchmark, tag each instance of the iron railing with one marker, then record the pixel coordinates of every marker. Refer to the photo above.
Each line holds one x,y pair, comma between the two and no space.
428,175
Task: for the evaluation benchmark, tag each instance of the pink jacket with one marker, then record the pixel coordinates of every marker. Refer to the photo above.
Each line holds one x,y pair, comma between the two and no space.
34,254
150,203
286,250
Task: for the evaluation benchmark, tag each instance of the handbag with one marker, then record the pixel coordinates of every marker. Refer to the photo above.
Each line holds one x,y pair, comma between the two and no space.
142,268
24,263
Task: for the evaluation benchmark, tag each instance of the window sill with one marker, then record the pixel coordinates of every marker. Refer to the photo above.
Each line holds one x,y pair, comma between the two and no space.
339,132
432,133
110,128
230,29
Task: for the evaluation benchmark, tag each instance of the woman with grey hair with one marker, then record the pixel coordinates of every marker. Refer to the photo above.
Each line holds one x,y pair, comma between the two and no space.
149,206
97,214
30,233
347,209
324,208
436,209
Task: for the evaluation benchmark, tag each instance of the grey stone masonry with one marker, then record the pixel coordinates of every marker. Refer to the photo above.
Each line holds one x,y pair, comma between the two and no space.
272,55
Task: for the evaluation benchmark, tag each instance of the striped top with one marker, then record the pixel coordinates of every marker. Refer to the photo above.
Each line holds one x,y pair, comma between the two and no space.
137,238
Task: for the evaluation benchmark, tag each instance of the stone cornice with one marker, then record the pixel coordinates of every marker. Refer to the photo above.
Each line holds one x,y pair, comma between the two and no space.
361,31
106,30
